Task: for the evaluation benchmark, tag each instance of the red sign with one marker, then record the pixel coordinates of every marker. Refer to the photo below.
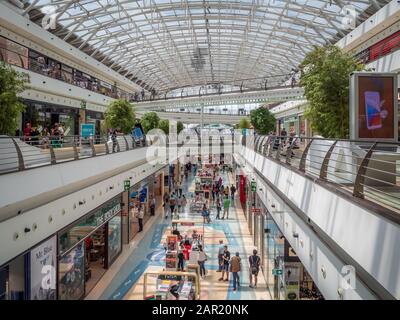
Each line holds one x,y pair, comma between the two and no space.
187,224
256,210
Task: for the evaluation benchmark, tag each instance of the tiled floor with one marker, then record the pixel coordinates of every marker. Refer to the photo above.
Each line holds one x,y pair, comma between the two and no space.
125,278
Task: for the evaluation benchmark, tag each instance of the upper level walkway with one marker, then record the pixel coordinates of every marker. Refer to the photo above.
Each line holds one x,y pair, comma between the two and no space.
345,192
263,95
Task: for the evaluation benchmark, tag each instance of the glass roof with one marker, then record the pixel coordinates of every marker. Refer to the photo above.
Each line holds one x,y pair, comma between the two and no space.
164,45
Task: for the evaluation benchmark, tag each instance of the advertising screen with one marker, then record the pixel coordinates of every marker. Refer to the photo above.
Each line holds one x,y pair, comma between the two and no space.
43,275
376,107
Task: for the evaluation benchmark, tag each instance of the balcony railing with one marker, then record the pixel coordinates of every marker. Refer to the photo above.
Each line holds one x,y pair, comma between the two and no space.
22,153
367,169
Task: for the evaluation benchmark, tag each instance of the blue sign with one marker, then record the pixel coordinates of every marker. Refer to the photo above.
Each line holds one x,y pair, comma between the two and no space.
87,130
137,133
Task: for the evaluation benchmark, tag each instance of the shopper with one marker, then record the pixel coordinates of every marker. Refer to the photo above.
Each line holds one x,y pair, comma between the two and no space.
226,191
179,203
213,189
172,203
226,257
227,204
233,190
235,269
254,262
114,140
221,250
218,205
181,258
166,206
202,258
184,202
140,215
153,206
206,214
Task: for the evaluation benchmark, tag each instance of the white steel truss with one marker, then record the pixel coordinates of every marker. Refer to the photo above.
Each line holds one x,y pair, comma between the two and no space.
164,45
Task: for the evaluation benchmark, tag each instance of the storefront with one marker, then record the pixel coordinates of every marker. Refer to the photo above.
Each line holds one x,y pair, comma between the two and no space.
286,277
94,117
45,115
138,195
31,275
87,248
274,243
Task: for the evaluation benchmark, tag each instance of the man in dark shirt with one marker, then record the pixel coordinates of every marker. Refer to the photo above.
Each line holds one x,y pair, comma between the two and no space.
226,257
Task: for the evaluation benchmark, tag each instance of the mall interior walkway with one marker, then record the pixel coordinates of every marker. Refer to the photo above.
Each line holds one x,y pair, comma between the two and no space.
124,280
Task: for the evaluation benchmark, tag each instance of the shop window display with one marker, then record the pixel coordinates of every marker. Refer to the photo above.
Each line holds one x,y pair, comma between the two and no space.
114,238
13,53
95,259
67,74
38,63
71,274
43,255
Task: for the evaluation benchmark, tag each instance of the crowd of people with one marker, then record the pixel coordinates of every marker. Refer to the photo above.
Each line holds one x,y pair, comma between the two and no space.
42,136
222,196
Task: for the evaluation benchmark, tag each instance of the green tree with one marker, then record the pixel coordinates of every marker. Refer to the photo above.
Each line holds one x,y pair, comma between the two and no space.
325,76
244,123
120,115
262,120
179,126
150,121
163,124
11,83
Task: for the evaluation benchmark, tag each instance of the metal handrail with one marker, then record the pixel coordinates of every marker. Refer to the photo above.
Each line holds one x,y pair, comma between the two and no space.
22,153
356,166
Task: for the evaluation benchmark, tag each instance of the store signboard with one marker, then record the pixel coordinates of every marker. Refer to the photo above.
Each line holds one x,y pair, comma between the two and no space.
253,186
277,272
127,185
373,106
87,130
43,260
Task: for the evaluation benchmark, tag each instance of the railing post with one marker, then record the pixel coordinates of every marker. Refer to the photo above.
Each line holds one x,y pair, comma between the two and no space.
126,143
21,164
324,167
76,155
52,155
106,146
358,189
265,146
271,146
93,148
289,152
302,166
280,148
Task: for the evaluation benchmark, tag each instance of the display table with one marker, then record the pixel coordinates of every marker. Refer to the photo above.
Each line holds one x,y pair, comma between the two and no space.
172,285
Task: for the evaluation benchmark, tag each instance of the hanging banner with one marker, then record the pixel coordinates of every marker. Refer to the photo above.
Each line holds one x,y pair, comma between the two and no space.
43,260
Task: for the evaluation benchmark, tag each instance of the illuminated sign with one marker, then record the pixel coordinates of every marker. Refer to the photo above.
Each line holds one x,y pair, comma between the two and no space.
373,106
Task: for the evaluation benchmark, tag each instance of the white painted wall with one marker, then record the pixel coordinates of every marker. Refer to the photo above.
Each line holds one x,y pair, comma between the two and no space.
368,238
55,215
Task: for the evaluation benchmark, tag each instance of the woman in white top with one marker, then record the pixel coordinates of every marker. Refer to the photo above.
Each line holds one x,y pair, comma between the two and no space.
201,260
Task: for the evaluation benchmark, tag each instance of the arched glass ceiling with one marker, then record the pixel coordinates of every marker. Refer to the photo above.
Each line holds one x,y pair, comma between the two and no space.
169,44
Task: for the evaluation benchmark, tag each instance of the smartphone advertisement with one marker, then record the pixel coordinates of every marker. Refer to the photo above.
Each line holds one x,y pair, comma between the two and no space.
376,107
